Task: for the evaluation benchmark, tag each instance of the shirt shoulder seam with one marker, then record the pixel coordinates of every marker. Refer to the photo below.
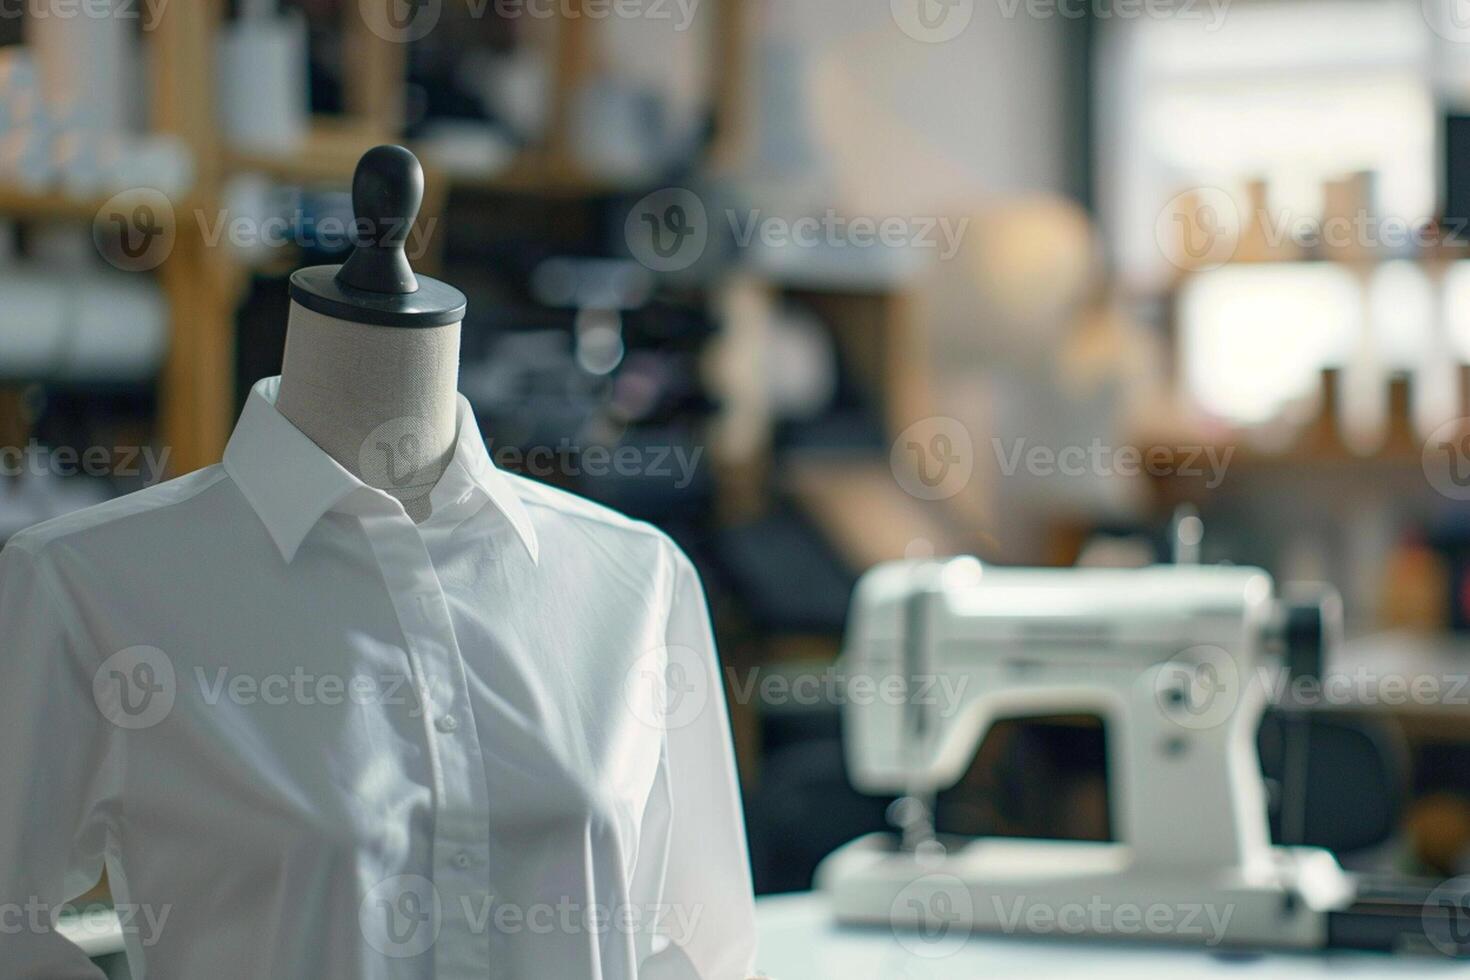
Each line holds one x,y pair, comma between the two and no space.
619,522
35,541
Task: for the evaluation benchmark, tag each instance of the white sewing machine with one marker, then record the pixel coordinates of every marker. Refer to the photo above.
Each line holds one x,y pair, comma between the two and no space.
1171,658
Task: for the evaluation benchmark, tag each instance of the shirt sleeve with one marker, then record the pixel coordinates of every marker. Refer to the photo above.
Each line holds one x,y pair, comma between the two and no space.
706,909
51,771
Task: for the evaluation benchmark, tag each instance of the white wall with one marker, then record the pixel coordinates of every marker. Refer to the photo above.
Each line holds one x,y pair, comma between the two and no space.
901,126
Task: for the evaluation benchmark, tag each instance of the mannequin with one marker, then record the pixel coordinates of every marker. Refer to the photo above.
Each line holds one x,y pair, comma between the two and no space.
372,351
379,400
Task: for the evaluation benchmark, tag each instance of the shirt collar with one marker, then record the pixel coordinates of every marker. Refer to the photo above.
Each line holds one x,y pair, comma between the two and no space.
290,482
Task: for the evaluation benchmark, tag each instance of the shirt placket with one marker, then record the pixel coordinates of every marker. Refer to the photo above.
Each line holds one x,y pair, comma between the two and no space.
461,843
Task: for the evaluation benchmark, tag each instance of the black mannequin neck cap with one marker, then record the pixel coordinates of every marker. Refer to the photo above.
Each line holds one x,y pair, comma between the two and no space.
376,285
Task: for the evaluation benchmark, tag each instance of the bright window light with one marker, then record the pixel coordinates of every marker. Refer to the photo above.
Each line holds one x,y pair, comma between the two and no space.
1255,337
1296,93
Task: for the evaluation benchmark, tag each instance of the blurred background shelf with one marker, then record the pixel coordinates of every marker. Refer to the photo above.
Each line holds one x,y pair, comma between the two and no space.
16,203
205,282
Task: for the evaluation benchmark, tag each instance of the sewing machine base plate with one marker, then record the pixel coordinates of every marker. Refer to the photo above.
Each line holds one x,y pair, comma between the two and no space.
1082,888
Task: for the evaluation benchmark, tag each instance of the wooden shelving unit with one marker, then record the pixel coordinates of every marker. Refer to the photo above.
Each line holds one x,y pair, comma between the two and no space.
22,204
203,284
1319,445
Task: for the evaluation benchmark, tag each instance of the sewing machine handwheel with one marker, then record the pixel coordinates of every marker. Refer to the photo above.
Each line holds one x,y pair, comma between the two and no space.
1311,626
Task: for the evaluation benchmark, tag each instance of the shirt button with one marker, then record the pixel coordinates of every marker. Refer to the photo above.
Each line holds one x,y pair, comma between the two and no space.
463,860
447,723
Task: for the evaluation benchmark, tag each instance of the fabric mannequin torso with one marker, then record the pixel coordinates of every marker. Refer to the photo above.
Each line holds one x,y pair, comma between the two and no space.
381,401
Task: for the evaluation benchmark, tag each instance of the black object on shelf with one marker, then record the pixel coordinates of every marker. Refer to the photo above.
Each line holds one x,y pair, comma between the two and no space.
1457,177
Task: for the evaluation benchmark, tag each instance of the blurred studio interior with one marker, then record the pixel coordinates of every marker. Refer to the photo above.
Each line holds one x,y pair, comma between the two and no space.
816,286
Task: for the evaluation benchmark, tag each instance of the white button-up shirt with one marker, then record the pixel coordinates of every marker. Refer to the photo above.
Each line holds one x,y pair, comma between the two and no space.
309,738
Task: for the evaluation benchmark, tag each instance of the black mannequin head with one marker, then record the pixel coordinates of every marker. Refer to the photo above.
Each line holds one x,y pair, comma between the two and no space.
376,284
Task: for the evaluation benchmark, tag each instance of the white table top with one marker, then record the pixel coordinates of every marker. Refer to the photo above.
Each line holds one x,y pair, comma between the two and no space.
799,941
